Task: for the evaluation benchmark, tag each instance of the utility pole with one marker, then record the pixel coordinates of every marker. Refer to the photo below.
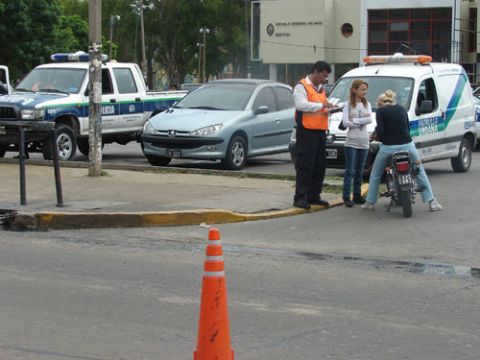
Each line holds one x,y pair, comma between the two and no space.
247,41
95,88
142,31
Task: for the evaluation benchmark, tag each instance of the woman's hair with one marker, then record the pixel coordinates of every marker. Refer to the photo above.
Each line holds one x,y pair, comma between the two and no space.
388,97
355,85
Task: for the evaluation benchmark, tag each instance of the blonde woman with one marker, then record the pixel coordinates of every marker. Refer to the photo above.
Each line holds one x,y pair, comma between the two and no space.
393,131
356,115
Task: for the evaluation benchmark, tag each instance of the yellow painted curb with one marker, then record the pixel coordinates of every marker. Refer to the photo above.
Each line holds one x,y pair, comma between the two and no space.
83,220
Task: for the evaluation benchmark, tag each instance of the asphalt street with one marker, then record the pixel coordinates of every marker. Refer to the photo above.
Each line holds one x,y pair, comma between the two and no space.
337,284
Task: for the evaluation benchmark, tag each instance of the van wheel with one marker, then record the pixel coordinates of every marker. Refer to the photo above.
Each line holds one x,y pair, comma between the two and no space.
158,160
236,157
3,150
461,163
66,143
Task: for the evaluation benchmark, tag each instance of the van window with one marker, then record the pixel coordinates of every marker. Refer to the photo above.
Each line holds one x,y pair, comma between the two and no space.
377,85
426,91
125,81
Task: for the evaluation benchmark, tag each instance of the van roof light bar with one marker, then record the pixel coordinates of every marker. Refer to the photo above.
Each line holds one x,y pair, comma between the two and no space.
397,58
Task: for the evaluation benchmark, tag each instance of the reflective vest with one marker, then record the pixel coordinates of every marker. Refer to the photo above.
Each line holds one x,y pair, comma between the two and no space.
317,120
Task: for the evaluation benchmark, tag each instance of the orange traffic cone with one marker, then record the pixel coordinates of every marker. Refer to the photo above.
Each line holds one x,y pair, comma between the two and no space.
213,341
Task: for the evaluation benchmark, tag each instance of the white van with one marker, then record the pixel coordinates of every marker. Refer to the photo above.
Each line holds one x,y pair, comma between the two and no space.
437,96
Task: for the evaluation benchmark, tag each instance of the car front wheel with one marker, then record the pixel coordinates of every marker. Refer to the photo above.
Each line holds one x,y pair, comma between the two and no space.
236,154
66,144
158,160
3,150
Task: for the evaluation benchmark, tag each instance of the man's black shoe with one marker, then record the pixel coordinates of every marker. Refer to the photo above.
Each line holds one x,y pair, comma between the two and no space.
358,199
348,202
319,202
302,204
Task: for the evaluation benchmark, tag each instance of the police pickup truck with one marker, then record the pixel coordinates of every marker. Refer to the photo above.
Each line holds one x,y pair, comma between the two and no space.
58,92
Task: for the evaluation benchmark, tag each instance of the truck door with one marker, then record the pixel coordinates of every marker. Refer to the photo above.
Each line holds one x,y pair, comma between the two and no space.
131,104
110,104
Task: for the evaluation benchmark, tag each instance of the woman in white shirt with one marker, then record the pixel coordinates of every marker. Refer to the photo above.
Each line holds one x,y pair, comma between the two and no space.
356,115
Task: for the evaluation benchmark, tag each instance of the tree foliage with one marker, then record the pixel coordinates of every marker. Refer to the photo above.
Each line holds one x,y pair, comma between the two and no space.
37,28
33,30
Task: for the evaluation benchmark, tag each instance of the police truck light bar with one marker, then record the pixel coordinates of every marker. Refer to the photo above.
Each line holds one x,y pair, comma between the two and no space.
71,57
397,58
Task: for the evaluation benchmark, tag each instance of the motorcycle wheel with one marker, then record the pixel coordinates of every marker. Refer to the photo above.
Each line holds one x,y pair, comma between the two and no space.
406,202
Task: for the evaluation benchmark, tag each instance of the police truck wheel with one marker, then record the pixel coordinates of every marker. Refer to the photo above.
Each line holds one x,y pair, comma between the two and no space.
84,146
461,163
158,160
236,154
66,143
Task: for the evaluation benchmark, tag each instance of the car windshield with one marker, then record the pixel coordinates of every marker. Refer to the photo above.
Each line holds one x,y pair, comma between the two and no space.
229,96
377,85
53,80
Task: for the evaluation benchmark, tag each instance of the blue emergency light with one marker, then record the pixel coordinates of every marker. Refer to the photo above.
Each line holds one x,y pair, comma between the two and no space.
79,56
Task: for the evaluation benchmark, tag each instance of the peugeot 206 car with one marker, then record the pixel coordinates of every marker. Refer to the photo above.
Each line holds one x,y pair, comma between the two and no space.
227,120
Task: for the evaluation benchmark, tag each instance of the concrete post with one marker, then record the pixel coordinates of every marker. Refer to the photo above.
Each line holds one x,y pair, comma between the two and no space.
95,88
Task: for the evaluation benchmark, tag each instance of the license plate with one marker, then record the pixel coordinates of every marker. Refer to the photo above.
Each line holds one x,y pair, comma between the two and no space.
173,153
331,154
2,130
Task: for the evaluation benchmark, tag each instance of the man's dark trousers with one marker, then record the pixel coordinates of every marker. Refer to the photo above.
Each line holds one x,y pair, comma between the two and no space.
310,147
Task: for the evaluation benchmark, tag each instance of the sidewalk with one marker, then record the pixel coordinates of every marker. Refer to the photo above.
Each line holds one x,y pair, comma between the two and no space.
126,198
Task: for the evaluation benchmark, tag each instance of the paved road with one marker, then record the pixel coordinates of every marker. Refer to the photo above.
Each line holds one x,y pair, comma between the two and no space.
339,284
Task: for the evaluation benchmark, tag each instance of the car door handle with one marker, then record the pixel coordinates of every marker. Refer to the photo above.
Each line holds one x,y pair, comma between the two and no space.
113,100
138,99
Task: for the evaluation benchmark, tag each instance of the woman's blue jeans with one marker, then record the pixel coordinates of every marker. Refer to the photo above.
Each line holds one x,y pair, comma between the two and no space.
354,163
379,168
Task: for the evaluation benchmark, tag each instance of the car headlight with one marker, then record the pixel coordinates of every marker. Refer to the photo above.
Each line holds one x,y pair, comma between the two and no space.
33,114
206,131
148,128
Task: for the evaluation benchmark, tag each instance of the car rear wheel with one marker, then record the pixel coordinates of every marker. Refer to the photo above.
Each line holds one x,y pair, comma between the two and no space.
158,160
66,143
3,150
461,163
236,157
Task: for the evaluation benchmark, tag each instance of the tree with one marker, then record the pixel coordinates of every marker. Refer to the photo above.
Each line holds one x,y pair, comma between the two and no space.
36,29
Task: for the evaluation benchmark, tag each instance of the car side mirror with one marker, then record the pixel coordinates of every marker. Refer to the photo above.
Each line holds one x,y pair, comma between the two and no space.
426,106
261,110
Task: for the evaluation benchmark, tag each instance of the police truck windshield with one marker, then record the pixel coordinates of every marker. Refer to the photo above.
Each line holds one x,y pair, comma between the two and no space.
377,85
53,80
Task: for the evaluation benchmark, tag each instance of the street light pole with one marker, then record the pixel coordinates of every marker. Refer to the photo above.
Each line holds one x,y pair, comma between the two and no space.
113,18
142,30
204,31
199,74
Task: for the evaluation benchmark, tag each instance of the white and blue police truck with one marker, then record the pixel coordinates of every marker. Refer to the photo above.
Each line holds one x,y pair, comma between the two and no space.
58,92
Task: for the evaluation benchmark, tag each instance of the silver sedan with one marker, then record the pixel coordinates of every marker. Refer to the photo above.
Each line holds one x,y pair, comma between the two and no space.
227,120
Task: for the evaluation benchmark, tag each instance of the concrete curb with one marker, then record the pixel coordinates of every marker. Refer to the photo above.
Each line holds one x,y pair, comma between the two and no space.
84,220
57,220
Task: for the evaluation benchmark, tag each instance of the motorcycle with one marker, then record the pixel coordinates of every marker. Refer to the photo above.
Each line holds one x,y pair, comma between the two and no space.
401,182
